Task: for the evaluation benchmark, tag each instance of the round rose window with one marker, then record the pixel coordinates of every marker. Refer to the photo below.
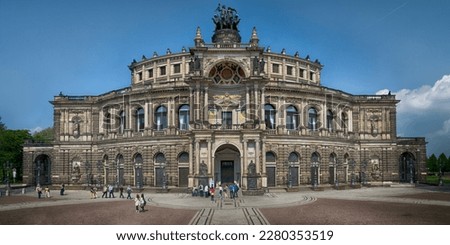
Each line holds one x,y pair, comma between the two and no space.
227,73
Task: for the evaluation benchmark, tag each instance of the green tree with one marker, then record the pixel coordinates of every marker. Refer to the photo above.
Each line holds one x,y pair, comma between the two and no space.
432,164
11,150
44,136
2,125
442,162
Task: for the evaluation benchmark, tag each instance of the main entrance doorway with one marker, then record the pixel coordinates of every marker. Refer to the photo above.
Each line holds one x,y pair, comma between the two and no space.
227,164
227,171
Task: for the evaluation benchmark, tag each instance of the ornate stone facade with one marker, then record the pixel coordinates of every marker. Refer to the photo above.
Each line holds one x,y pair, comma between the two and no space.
222,112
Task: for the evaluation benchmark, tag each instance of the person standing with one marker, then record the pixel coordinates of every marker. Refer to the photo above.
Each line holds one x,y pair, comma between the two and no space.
137,202
212,192
143,202
47,192
121,192
62,190
129,190
111,191
39,191
105,192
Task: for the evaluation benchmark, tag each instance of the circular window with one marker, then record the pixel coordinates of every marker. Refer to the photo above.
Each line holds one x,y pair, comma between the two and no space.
227,73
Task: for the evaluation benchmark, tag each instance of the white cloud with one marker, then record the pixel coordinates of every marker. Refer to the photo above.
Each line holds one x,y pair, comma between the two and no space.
424,112
445,128
425,98
36,130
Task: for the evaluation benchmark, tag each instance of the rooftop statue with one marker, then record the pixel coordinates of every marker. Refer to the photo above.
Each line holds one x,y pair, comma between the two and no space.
226,18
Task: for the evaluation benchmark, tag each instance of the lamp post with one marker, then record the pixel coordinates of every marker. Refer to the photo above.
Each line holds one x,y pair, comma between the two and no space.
164,176
411,172
336,180
87,167
363,173
289,174
99,169
352,164
315,166
38,178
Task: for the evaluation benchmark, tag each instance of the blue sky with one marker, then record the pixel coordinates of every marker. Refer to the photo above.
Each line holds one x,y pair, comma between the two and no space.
366,47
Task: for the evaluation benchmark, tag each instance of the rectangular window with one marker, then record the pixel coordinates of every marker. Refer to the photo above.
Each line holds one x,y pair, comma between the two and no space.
227,120
176,68
162,71
140,76
275,68
302,73
311,76
289,70
150,73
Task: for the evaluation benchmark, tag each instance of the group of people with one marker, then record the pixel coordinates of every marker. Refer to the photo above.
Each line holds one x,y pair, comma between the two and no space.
46,191
140,202
210,191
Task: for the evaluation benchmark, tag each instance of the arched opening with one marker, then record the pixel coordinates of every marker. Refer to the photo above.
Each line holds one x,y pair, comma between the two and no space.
271,163
42,170
161,177
138,173
120,172
183,169
315,165
407,168
227,164
293,161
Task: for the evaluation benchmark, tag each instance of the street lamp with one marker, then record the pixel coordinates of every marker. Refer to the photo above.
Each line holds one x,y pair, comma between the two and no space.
164,176
88,166
363,173
99,169
411,172
38,179
352,164
289,174
315,166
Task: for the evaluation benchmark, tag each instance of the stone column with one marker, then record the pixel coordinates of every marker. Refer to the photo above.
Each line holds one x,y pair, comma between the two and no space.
262,118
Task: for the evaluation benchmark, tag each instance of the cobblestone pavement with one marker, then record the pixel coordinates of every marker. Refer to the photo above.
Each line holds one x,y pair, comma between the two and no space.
377,205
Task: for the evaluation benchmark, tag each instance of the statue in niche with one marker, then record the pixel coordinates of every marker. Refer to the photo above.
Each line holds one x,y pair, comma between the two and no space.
373,125
252,169
76,126
203,169
76,171
376,172
256,64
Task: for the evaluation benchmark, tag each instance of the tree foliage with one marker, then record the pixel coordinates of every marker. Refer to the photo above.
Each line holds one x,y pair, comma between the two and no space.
11,150
44,136
432,164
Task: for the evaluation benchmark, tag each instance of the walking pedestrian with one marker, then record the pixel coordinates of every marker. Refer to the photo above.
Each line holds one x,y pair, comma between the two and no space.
121,192
212,192
143,202
137,202
111,191
61,192
105,192
47,192
129,190
39,191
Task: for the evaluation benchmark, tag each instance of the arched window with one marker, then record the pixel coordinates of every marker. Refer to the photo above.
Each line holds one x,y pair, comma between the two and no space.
122,122
140,120
183,158
269,119
312,118
293,157
183,117
330,117
161,118
138,159
107,123
270,157
315,157
344,122
160,158
291,118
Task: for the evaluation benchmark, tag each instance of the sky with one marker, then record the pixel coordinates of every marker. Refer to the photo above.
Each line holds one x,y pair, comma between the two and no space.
367,47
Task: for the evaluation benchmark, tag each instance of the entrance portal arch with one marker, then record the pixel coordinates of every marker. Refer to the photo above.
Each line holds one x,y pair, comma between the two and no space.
227,164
